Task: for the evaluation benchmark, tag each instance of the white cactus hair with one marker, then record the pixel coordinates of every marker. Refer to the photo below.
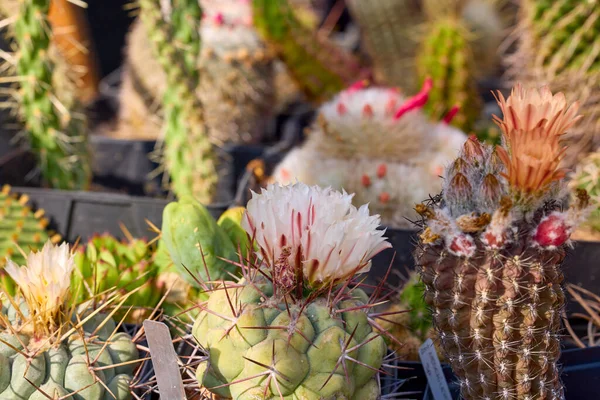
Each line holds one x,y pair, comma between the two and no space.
374,142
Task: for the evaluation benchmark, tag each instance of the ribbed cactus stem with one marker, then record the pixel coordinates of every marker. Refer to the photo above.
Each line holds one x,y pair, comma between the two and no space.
189,155
446,57
55,133
320,68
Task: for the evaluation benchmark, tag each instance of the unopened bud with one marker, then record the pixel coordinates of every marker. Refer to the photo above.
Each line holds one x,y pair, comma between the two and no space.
473,150
553,231
365,180
368,111
459,187
458,166
384,197
491,189
381,170
462,246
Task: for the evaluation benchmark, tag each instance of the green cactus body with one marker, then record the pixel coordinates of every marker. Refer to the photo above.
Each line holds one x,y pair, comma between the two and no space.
106,263
587,177
558,46
55,131
388,28
189,155
319,67
20,227
445,56
262,348
66,369
196,243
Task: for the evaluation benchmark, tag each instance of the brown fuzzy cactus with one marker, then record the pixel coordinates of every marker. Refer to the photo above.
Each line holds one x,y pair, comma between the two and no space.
491,250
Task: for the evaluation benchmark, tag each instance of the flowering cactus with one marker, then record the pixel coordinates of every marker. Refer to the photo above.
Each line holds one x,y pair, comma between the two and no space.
49,349
293,326
375,143
491,249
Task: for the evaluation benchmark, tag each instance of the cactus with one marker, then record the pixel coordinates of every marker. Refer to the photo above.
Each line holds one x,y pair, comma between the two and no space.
445,55
558,47
291,327
387,28
189,155
51,350
587,177
319,67
21,229
375,143
199,246
106,263
54,127
491,248
237,76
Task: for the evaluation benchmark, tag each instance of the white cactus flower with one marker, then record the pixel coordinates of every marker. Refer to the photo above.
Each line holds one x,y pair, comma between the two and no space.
45,280
315,229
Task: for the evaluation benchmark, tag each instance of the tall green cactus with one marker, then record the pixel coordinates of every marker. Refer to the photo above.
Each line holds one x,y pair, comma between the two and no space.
189,155
55,131
320,68
446,56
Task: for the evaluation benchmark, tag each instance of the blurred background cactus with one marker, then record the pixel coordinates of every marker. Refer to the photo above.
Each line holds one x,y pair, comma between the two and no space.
21,230
189,157
45,100
445,56
587,177
320,67
375,143
558,46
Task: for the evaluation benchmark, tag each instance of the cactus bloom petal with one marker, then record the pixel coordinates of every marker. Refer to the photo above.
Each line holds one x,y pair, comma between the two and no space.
317,227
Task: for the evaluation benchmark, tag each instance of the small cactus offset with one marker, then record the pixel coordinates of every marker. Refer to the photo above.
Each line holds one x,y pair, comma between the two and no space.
106,263
294,326
491,249
54,127
375,143
587,177
236,82
320,68
446,57
50,350
388,29
558,46
189,155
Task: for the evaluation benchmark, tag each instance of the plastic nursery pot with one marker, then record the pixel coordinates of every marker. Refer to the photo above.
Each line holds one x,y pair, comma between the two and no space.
80,215
129,165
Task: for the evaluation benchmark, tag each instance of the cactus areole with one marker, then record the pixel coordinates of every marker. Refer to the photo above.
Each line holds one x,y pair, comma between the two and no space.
491,250
293,326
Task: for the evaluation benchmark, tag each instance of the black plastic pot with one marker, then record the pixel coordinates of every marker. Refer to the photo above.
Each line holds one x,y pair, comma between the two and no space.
82,214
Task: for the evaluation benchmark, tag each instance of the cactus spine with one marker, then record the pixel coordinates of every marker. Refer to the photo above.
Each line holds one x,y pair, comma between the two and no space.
558,46
320,68
491,249
445,55
55,131
189,155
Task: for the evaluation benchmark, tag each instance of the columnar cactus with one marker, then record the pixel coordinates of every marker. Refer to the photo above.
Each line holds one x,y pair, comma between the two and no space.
587,177
320,68
445,55
293,327
375,143
236,83
49,350
54,127
558,47
491,249
189,155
